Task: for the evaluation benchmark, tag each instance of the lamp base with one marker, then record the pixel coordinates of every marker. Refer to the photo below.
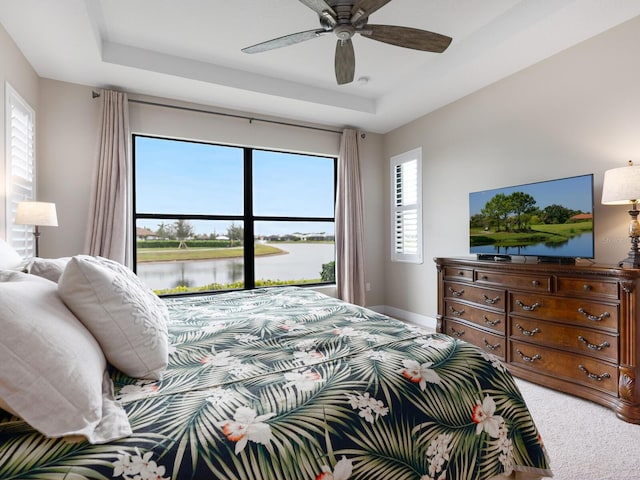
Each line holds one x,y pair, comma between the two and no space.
36,240
633,259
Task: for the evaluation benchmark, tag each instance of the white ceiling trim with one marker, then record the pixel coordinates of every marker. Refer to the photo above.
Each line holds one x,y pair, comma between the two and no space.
148,60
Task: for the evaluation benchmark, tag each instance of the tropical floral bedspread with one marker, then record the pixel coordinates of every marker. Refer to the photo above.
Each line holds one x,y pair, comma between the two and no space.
287,383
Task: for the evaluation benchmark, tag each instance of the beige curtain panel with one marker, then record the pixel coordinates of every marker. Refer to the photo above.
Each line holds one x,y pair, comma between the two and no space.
349,222
109,219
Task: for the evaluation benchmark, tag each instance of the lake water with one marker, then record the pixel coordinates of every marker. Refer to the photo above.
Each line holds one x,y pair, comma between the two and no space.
579,246
302,261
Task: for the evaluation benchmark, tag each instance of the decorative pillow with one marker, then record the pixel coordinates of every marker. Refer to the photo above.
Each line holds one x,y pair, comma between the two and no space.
49,268
127,318
9,258
52,371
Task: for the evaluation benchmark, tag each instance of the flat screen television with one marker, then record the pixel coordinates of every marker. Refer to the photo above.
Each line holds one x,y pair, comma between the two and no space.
551,220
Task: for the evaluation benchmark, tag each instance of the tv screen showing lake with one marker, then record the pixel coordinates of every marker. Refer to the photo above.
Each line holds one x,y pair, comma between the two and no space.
299,262
552,218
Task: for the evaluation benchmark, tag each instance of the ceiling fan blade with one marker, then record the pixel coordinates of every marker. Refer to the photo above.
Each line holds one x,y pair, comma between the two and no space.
407,37
319,6
345,61
363,8
284,41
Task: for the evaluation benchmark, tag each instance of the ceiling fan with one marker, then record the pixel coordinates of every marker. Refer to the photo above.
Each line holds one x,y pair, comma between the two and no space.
344,19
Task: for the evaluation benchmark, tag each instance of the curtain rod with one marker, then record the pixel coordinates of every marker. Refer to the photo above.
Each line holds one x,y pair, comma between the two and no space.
95,94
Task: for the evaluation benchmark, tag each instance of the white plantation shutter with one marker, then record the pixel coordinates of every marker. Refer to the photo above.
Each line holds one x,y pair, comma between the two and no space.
406,242
20,168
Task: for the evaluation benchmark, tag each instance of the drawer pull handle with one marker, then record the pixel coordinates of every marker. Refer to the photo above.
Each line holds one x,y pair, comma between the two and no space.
593,346
491,323
461,273
593,376
456,293
528,333
489,346
456,313
586,288
527,358
528,308
594,318
535,283
491,301
457,333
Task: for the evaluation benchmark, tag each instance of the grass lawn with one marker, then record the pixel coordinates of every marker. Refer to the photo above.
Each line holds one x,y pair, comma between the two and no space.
171,254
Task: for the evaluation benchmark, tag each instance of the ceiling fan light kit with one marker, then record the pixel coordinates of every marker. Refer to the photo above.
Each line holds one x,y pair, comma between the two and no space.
344,19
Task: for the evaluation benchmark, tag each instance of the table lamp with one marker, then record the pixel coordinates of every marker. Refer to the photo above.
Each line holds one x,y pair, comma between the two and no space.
621,186
37,214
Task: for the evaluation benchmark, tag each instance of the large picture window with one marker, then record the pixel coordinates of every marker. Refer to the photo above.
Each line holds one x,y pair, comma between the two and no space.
217,217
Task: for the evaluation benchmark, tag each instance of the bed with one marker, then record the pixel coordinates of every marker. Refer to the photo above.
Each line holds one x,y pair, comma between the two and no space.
288,383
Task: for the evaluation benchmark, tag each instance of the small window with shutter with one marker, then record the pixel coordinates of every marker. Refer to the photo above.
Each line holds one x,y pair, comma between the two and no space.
406,211
20,137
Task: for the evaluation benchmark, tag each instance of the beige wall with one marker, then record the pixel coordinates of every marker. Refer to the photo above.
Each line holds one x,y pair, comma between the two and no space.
68,125
190,125
575,113
374,182
15,70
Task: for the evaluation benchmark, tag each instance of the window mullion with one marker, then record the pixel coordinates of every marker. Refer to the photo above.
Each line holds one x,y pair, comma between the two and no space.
249,253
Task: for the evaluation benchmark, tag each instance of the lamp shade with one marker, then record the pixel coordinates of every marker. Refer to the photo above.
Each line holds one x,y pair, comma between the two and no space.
621,185
36,213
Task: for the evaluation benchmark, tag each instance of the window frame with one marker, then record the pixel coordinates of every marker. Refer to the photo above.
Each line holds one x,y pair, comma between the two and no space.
20,237
397,230
248,218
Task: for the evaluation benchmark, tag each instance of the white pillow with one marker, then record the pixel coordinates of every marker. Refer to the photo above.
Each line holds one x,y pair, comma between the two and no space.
52,371
9,258
49,268
127,318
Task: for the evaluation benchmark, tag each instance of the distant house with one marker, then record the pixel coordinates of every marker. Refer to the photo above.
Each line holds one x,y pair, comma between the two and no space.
145,234
581,217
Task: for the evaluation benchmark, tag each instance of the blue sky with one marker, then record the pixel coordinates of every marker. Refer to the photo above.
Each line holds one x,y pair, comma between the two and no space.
575,193
176,177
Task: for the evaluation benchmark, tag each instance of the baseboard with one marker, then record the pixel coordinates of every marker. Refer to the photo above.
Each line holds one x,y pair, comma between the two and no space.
415,318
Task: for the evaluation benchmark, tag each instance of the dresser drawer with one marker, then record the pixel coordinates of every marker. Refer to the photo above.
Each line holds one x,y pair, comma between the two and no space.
580,340
484,318
567,310
587,287
489,342
576,368
483,296
537,283
458,272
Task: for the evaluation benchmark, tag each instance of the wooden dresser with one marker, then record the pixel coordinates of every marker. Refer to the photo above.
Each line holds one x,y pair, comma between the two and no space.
568,327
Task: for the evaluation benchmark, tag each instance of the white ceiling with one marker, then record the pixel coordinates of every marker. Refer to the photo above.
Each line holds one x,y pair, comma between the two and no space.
190,50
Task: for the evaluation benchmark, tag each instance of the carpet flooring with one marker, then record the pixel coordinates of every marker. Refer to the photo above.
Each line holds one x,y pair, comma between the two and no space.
584,440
